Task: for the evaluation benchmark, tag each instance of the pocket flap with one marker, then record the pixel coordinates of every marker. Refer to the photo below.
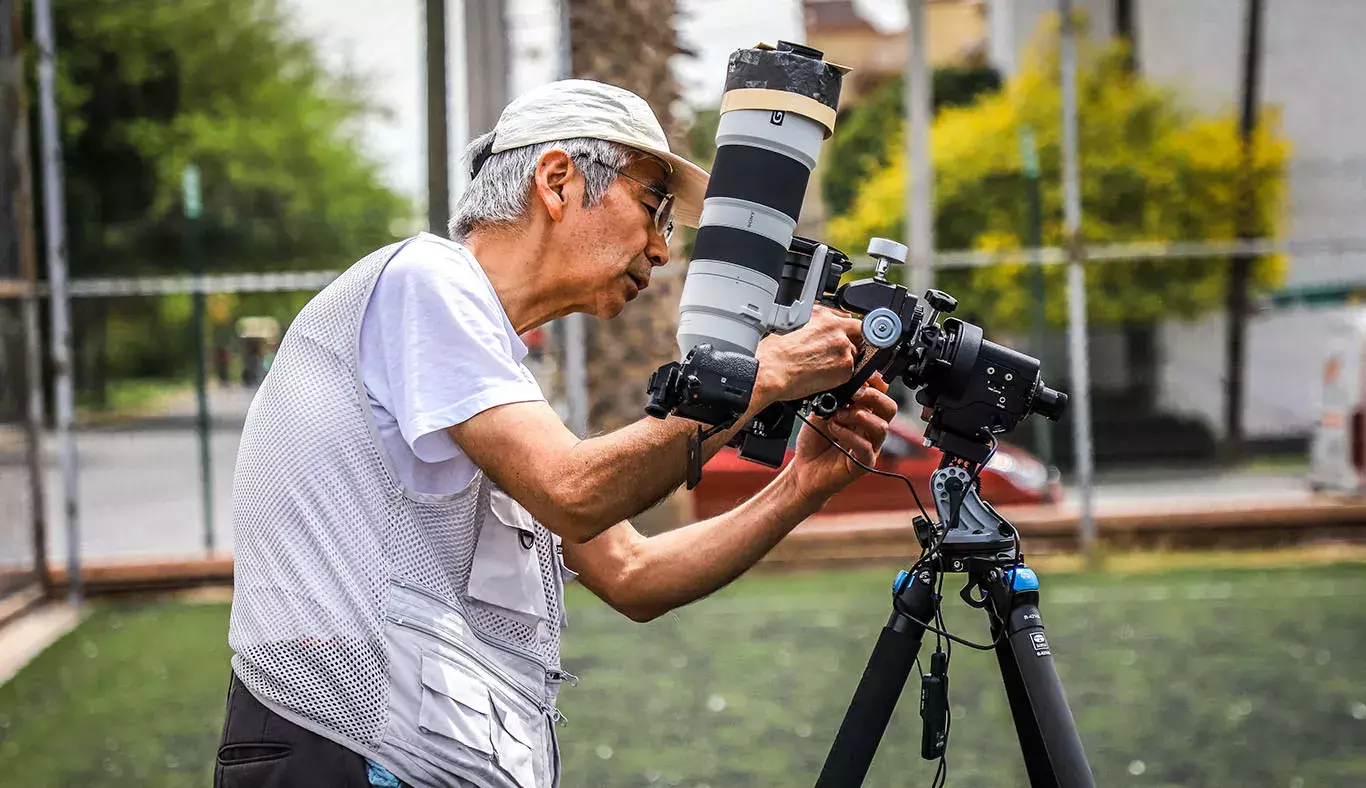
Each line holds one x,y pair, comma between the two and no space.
513,744
513,722
509,512
506,571
448,679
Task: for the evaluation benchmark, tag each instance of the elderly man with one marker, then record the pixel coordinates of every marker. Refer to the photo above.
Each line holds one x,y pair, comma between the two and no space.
407,505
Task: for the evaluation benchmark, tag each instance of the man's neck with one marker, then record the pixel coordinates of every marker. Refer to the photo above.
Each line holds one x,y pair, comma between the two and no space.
521,275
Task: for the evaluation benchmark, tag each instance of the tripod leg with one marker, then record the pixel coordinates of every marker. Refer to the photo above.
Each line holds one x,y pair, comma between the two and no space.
1052,749
881,685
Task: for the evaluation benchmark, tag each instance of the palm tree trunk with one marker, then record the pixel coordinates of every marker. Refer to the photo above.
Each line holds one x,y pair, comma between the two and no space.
629,43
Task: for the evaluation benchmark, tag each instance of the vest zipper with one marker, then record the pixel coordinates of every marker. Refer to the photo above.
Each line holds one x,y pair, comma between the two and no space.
563,677
482,661
440,600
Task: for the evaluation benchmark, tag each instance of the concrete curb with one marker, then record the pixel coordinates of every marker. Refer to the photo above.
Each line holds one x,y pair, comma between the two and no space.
27,636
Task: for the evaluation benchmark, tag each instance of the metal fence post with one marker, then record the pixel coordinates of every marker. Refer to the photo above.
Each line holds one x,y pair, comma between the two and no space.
1029,157
54,223
919,168
1076,283
194,207
19,155
575,334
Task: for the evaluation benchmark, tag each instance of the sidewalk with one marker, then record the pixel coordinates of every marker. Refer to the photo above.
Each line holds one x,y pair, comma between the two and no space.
28,635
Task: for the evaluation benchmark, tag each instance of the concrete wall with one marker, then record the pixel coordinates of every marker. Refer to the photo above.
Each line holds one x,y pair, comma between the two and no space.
1312,62
1283,386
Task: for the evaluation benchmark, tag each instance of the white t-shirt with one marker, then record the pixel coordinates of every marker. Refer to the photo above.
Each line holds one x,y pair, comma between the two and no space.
436,348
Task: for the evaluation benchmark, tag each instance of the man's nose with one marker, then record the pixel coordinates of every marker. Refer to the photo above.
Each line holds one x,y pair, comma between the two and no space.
657,250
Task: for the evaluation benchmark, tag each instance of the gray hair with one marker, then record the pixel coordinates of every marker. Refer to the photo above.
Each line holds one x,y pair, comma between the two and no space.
498,193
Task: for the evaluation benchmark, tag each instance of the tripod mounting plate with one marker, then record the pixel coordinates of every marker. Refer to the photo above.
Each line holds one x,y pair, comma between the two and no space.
968,526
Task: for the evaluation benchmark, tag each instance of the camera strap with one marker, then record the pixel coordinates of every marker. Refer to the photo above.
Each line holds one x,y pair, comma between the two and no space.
695,457
695,441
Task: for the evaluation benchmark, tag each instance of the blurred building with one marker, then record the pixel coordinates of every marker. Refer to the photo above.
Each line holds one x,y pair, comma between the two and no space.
870,39
1310,71
874,45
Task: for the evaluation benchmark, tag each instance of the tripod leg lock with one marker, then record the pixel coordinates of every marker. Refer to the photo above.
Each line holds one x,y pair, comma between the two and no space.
1022,578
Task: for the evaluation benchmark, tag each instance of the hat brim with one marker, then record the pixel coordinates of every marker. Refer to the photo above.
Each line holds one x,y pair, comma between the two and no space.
687,182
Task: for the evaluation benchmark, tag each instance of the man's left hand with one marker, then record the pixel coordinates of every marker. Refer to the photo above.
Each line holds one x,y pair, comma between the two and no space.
822,469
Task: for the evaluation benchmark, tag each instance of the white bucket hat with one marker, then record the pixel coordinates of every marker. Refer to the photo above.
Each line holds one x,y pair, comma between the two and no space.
574,108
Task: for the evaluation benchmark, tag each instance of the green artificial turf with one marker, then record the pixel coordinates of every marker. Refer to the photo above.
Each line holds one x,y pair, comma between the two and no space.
1229,678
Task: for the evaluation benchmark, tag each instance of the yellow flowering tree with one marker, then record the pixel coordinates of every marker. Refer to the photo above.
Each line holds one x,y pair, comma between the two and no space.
1151,170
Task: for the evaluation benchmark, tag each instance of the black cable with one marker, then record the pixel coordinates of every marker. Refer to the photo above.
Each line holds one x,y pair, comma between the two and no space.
896,604
942,771
937,600
868,468
924,550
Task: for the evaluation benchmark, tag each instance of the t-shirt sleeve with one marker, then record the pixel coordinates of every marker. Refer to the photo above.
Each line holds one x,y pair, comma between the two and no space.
448,350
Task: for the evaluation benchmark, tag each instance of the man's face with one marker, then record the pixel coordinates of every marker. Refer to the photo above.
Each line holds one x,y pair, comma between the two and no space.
617,243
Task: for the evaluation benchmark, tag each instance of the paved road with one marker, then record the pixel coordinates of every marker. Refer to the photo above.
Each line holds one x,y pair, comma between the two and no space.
1159,488
139,487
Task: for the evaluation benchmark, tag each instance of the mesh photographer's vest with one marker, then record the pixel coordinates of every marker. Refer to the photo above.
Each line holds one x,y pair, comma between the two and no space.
421,631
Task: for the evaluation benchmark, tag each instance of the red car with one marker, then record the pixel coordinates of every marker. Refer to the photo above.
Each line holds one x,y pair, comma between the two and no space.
1014,476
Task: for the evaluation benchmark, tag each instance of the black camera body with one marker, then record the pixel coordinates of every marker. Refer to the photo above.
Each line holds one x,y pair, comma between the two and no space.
975,385
710,386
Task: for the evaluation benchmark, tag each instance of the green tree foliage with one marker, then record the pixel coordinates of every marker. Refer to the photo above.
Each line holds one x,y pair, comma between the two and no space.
859,147
146,87
1151,171
702,136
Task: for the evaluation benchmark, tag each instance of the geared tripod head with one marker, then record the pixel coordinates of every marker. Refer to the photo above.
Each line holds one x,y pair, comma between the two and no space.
973,388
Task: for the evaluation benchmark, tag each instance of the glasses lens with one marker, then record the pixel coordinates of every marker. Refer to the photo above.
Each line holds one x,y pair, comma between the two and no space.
664,218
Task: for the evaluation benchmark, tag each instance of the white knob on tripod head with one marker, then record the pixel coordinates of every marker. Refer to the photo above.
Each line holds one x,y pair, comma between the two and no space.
887,253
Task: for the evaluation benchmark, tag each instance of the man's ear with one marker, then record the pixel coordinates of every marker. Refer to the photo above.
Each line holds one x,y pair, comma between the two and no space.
554,173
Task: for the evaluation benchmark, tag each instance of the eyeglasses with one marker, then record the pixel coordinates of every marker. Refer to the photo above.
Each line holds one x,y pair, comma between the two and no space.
663,214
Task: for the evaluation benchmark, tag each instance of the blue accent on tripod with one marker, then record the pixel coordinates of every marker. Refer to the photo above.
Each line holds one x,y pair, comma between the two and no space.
1022,579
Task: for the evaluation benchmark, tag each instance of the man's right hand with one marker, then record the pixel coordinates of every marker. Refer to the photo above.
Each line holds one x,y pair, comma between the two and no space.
816,357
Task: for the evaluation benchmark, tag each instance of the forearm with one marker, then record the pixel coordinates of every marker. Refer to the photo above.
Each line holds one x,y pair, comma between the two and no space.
617,476
686,564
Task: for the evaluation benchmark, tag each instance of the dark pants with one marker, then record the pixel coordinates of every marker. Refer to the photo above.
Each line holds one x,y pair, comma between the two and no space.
261,749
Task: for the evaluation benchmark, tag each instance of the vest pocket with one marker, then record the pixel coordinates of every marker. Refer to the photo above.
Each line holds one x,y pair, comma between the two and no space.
459,706
506,571
514,744
455,705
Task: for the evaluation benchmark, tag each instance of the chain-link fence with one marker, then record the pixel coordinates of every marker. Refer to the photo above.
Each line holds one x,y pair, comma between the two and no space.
1159,381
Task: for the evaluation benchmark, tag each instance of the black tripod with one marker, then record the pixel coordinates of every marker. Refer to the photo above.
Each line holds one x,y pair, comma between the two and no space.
981,544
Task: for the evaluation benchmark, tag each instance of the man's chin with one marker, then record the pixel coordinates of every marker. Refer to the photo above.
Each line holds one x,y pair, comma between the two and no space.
610,309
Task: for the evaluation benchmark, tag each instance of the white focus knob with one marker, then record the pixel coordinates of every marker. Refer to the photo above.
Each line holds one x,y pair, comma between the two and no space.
888,250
